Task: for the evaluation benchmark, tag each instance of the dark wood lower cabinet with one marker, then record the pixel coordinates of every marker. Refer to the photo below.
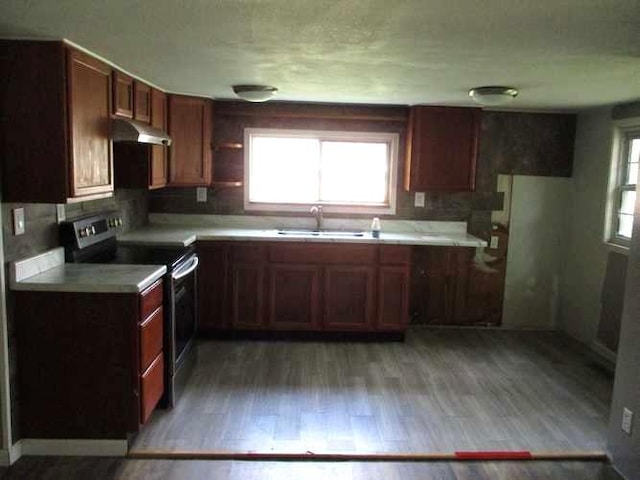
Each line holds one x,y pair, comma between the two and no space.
293,297
247,295
303,287
348,297
83,362
393,297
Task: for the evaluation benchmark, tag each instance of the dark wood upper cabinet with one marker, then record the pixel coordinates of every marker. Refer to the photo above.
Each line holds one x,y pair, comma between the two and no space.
140,165
442,147
92,170
142,102
123,95
190,130
56,104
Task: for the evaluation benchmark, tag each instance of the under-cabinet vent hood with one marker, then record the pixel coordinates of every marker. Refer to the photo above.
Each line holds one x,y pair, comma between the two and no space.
126,130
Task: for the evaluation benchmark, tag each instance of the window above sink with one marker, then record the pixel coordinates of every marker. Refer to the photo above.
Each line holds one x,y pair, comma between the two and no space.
346,172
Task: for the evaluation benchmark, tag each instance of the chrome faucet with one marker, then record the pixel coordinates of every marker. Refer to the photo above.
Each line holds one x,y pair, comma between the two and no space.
316,211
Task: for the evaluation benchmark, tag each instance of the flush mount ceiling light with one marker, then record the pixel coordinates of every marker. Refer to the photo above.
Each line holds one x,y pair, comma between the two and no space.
492,96
254,93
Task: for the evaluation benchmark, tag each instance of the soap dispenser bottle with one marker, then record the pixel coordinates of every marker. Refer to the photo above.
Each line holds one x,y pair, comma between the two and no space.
375,227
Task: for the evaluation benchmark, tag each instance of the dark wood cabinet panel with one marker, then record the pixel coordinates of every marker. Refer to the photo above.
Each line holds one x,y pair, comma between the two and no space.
301,287
150,299
123,95
57,103
151,388
442,147
79,364
440,285
348,302
393,298
151,338
80,350
89,89
142,102
159,155
213,286
293,297
190,130
247,295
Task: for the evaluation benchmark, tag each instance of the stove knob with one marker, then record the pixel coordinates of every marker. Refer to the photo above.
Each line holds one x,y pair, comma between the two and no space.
92,230
82,232
119,222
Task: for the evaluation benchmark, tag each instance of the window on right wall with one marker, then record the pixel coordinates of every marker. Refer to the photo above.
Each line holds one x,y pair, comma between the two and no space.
622,185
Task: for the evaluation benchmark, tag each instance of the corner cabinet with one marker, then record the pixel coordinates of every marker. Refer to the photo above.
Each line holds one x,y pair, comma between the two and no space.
441,150
56,130
190,152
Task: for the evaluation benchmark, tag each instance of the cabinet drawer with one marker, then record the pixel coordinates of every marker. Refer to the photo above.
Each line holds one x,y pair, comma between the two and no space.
152,386
395,255
323,254
150,338
150,299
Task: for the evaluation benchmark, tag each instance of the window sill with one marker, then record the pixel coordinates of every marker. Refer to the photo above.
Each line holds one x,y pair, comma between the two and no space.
616,248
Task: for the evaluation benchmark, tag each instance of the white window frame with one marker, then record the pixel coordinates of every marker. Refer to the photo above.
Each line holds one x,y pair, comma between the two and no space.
388,137
623,131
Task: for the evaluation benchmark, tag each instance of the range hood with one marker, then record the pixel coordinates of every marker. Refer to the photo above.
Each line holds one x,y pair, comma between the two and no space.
126,130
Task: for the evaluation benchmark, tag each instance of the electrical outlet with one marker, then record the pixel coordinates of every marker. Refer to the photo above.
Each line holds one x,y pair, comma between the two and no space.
201,194
627,421
494,241
60,212
18,221
419,199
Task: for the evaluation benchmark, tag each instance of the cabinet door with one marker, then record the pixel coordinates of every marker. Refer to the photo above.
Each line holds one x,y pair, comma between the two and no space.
89,90
247,295
430,285
123,95
190,130
393,297
142,105
293,297
158,163
348,302
212,287
442,145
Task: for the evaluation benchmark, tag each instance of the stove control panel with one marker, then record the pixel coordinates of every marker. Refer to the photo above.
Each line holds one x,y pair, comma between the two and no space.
83,232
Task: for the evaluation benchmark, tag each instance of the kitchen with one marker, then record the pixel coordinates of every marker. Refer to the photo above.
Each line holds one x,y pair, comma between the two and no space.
498,129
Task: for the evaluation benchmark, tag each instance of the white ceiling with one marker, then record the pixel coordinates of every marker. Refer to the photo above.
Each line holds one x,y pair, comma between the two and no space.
560,54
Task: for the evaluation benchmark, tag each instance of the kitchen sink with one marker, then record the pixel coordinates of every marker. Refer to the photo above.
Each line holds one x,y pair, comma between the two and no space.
320,233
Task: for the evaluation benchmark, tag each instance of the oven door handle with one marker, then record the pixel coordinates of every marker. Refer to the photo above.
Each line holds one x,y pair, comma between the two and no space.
184,271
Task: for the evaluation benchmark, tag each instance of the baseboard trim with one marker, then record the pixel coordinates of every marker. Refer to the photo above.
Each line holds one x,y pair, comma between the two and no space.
605,356
74,447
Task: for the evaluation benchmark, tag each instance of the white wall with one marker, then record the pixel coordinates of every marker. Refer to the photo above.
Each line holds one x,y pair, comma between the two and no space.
586,256
537,230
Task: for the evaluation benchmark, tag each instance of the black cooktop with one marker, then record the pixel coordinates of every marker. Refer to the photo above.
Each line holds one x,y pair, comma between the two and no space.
143,255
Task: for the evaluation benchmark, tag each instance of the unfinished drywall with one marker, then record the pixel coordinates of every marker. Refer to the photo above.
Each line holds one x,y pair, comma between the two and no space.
536,251
586,255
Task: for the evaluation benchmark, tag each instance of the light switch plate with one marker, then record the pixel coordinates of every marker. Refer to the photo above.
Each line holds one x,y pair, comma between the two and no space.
419,199
60,212
627,420
494,241
201,194
18,221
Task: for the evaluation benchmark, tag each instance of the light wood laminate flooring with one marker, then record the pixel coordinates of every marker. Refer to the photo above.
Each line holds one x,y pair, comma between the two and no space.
441,390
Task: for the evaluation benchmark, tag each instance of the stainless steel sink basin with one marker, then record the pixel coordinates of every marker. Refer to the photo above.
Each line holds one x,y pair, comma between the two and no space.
320,233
